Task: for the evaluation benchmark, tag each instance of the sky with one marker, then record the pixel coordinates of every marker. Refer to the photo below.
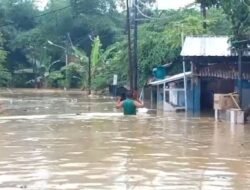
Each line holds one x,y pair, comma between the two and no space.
173,4
162,4
41,3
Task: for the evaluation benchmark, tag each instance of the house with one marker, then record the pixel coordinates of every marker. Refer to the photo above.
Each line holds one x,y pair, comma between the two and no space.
214,69
171,92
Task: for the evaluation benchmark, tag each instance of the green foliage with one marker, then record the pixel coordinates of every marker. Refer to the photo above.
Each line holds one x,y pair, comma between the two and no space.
75,73
4,74
160,43
27,32
3,53
80,67
238,13
69,23
218,23
81,55
56,79
96,54
114,61
209,3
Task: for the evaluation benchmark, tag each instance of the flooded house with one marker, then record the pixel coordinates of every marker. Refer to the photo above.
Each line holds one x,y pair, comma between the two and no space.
214,70
170,92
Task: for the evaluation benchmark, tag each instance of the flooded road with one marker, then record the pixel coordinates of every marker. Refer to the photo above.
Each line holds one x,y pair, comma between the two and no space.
70,142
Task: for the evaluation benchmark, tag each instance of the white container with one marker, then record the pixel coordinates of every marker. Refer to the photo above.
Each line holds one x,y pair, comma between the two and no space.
236,116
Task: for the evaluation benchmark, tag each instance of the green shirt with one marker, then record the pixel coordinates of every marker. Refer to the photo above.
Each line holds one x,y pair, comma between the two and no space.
129,107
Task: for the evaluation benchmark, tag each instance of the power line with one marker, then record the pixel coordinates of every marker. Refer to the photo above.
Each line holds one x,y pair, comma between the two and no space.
41,15
142,14
157,18
146,17
244,2
51,12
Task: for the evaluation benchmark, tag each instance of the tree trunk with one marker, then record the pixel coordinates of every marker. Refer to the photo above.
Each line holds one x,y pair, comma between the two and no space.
204,14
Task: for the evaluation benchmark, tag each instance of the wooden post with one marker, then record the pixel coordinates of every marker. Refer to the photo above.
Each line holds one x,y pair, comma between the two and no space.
89,78
158,96
185,84
151,97
164,96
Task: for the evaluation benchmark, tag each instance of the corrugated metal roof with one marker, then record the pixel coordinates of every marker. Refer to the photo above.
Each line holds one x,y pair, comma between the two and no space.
171,79
206,46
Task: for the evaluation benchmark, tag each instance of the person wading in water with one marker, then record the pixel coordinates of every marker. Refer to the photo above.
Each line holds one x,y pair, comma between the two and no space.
129,105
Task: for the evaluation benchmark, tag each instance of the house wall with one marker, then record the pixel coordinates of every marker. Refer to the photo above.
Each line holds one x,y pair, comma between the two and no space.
245,93
194,95
150,97
245,98
211,86
160,97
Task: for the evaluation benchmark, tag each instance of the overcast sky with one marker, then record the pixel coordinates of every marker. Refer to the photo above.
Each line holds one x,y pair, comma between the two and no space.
173,4
162,4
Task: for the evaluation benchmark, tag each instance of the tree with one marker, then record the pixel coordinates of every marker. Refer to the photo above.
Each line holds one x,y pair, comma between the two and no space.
26,31
80,63
96,17
205,4
95,55
3,53
4,74
238,13
160,42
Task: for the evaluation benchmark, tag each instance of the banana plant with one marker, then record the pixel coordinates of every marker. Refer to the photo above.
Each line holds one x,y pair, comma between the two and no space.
78,67
96,55
4,73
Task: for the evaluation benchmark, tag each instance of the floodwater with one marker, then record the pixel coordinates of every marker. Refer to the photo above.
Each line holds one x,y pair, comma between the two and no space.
70,142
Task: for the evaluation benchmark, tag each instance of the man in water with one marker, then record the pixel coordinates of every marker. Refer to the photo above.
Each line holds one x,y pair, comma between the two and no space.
129,105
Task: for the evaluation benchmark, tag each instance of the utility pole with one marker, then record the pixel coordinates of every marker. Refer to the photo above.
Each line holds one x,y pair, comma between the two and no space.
65,49
135,45
35,70
240,75
89,78
204,14
90,64
130,70
66,71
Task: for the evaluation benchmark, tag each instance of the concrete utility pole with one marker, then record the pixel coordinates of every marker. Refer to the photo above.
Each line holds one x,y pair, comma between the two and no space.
135,45
204,14
240,75
130,70
66,58
90,64
89,77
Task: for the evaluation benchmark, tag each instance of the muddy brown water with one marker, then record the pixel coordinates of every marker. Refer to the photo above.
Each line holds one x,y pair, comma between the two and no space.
70,142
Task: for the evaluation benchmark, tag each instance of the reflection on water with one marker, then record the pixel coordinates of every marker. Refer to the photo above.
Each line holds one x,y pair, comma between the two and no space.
71,142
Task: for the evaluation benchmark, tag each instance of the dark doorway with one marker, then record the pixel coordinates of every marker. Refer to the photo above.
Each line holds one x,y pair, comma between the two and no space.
211,86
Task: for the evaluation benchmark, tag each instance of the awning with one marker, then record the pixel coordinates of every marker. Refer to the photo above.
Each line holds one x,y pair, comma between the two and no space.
171,79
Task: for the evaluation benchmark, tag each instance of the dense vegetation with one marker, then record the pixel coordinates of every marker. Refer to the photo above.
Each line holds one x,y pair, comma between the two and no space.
96,30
